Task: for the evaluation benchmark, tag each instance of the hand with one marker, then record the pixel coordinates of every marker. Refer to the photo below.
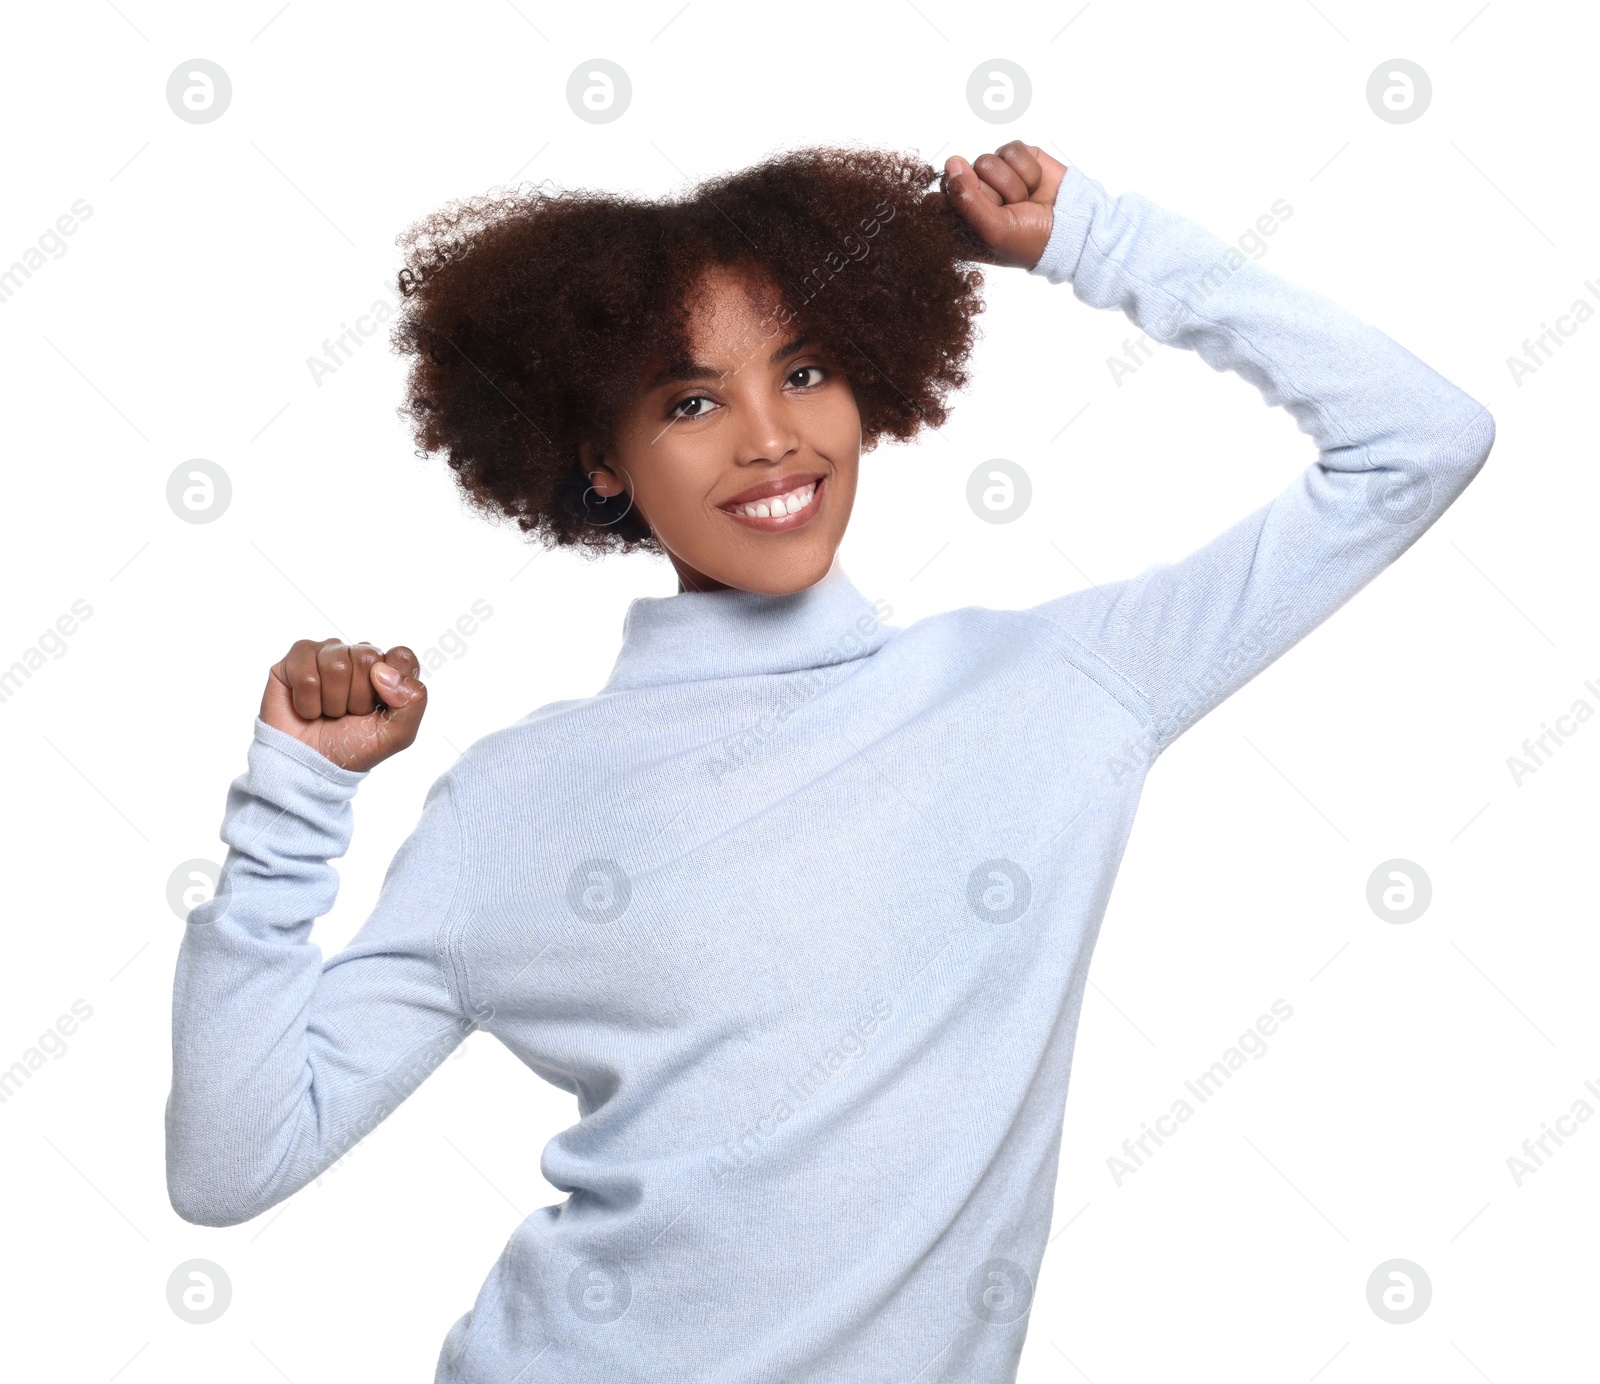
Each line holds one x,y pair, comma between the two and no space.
349,702
1007,198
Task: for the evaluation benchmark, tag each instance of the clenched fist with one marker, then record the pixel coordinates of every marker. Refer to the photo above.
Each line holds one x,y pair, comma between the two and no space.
1007,198
350,702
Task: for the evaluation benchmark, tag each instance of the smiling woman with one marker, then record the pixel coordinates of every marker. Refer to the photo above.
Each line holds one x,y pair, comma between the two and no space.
799,906
785,317
724,456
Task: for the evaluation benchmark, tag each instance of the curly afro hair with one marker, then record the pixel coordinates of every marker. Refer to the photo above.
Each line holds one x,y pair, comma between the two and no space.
531,316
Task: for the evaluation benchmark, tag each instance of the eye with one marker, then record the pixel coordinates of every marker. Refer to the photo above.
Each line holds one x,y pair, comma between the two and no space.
820,372
681,408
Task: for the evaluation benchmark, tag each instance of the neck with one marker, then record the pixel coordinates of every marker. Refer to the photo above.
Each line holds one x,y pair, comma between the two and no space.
691,580
729,632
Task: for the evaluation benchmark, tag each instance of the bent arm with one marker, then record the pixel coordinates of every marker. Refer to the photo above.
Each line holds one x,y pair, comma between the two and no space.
281,1063
1396,442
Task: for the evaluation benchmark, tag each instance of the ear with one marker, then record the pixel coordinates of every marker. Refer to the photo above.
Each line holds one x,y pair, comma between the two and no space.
604,481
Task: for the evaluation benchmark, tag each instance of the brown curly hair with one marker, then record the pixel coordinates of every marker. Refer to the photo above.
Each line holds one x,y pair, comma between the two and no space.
531,315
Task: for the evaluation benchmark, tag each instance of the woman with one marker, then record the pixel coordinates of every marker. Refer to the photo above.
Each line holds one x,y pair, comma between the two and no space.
799,905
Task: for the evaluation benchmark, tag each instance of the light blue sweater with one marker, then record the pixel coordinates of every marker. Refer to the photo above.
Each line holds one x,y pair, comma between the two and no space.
799,905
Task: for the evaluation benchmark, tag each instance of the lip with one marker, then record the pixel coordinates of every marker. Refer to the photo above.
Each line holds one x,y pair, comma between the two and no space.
765,491
780,485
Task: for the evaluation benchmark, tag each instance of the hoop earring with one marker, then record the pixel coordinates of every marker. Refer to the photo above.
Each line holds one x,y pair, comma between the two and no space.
604,499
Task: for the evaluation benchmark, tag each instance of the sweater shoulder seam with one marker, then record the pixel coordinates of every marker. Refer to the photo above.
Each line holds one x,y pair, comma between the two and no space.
1101,673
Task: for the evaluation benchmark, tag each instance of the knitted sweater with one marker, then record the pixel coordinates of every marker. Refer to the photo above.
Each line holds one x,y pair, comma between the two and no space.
799,906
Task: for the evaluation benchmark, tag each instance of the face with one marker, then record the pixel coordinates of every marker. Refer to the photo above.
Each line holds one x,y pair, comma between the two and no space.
745,465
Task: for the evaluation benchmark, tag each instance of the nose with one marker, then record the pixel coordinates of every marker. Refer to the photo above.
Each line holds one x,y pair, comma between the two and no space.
769,432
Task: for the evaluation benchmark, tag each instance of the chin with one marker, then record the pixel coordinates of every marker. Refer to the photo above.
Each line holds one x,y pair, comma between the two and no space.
795,573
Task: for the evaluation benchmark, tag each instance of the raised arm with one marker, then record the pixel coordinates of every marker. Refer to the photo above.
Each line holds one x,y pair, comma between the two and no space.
1396,444
281,1062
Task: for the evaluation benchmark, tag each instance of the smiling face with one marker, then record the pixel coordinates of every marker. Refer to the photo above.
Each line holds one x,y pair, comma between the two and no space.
743,464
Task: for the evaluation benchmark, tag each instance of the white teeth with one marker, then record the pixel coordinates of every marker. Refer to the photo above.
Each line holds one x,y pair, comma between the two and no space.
780,505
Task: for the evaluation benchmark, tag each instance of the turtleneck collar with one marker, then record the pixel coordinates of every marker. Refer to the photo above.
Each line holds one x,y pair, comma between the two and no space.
696,635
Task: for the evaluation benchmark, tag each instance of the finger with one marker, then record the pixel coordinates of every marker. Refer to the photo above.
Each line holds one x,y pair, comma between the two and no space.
407,697
1002,177
401,723
395,677
333,667
969,245
402,658
982,223
305,684
1024,160
363,698
959,175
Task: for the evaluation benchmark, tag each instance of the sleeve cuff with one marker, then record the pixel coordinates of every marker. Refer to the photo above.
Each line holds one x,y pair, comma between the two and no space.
1077,200
342,782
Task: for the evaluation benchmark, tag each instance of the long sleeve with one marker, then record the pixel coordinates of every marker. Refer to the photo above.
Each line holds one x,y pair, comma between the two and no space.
1396,444
282,1062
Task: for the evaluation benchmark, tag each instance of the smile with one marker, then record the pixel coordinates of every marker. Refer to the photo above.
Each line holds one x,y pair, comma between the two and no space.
779,512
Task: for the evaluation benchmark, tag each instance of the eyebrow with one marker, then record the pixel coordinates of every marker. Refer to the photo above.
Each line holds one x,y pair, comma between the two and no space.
696,370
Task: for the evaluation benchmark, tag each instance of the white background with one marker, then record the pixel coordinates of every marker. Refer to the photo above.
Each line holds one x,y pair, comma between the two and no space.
220,256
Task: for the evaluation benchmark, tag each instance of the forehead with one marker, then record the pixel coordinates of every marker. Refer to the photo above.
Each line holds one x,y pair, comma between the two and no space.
729,306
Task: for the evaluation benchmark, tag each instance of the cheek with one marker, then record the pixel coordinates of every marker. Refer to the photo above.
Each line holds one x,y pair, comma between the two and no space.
672,477
838,430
